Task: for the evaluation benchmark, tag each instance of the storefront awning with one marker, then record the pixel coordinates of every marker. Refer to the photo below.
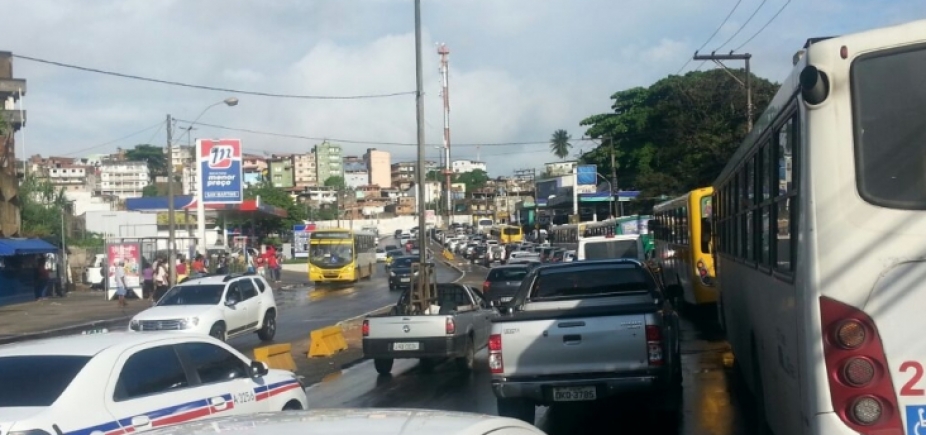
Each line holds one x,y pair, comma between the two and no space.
10,247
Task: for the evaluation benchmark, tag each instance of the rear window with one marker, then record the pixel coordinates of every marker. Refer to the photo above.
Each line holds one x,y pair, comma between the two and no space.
611,249
511,231
889,105
585,282
513,274
403,262
37,380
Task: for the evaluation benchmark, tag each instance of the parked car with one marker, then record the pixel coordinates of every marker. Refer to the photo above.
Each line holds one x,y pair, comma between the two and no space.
223,306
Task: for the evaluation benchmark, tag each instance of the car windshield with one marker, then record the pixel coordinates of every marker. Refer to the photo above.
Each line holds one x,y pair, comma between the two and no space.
332,254
589,281
402,262
37,380
199,294
507,274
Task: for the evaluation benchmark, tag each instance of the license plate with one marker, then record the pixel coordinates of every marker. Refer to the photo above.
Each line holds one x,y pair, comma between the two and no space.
508,299
574,394
406,279
94,331
405,346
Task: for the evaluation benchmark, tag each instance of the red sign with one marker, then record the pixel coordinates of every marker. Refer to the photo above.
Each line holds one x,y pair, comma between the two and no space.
130,256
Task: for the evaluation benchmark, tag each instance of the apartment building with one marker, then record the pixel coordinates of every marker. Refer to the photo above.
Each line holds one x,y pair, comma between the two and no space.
378,168
328,161
122,179
463,166
304,170
280,171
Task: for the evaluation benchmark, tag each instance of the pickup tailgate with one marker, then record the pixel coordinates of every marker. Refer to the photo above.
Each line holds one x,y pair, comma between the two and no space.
402,327
573,341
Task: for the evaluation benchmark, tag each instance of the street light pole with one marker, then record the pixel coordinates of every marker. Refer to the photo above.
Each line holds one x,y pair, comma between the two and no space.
171,223
200,185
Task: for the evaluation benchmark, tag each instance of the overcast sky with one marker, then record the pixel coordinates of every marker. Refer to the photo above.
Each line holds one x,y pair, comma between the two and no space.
519,69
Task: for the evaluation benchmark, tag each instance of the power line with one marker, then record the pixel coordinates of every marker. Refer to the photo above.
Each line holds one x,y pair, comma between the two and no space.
355,141
743,26
159,124
212,88
712,34
764,26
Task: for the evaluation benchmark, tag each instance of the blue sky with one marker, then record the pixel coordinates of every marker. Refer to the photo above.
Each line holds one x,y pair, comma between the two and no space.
520,69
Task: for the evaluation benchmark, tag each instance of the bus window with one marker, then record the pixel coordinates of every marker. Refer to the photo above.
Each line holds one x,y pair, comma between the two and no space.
706,231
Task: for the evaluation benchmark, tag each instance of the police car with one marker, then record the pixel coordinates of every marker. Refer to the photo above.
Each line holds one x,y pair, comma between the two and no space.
119,383
223,306
358,421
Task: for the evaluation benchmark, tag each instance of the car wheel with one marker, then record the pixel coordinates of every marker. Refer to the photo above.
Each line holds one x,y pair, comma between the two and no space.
218,331
468,359
269,328
383,365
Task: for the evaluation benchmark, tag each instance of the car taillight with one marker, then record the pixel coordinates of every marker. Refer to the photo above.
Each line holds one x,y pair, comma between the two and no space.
449,326
365,329
654,345
861,388
496,365
485,287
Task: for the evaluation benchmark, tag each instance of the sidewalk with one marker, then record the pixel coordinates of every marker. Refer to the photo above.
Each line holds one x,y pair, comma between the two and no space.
79,311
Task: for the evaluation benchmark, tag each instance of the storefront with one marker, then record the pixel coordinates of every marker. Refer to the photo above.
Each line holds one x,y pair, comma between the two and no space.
19,259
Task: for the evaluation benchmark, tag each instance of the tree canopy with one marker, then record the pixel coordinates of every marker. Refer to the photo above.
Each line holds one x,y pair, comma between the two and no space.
677,134
559,144
153,155
336,182
296,213
474,180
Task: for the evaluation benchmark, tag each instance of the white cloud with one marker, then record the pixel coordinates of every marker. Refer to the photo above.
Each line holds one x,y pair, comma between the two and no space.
519,68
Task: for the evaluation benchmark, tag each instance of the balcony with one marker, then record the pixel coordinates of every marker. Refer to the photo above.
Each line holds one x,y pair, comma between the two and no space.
16,118
12,86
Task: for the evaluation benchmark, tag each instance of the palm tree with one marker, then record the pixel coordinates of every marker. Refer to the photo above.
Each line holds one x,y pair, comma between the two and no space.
559,144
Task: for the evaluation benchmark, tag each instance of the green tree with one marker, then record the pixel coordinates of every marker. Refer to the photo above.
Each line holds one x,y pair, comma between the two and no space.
150,190
42,207
153,155
296,213
336,182
677,134
559,144
474,180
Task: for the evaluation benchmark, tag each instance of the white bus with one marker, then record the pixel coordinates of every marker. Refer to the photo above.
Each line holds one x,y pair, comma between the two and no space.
821,229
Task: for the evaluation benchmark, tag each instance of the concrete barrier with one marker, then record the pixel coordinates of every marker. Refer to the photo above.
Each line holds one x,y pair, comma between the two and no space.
277,356
326,342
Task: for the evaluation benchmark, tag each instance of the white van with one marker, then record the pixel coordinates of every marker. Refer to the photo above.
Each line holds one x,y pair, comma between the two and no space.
618,246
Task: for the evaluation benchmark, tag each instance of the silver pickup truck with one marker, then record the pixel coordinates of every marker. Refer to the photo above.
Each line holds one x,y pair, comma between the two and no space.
585,331
457,327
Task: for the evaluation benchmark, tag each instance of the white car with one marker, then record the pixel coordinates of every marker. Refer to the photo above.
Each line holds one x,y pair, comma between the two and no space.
121,383
380,255
358,421
223,306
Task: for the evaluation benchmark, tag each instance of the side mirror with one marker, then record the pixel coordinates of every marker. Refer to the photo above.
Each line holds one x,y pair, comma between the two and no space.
230,302
259,369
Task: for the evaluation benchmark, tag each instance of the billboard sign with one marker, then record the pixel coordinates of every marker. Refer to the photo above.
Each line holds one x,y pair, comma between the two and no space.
301,234
220,170
129,254
587,175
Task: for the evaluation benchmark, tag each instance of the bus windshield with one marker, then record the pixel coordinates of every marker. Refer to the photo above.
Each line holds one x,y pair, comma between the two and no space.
332,255
511,231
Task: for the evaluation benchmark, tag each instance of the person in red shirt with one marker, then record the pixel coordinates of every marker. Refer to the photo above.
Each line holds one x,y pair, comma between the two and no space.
199,264
273,264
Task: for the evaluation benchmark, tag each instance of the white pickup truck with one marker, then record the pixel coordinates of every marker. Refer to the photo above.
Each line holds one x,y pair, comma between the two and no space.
457,327
586,331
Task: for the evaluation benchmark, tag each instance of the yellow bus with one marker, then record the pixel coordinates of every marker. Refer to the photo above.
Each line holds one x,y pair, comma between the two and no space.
340,255
507,233
683,245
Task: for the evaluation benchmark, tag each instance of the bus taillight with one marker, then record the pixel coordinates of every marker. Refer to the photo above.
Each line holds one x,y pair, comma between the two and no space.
861,388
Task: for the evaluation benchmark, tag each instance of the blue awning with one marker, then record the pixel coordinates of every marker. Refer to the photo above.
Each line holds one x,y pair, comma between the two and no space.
10,247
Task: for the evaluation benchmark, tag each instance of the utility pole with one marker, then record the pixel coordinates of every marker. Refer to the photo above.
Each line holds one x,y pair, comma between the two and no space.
717,58
444,53
421,299
171,224
614,187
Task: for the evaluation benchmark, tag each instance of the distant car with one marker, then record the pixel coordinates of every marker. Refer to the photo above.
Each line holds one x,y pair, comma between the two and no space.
120,382
503,282
223,306
380,255
400,272
390,247
358,420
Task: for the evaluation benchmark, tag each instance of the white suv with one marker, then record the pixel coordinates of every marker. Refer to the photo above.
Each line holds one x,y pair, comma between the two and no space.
223,306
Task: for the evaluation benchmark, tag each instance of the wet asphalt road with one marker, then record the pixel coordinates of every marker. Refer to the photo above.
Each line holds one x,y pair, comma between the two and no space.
713,403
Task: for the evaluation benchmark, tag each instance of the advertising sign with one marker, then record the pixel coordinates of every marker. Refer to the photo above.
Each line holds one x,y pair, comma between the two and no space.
221,170
130,254
301,233
587,174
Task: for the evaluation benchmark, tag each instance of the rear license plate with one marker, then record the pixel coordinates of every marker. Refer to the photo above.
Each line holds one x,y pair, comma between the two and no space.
574,394
405,346
507,299
406,280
